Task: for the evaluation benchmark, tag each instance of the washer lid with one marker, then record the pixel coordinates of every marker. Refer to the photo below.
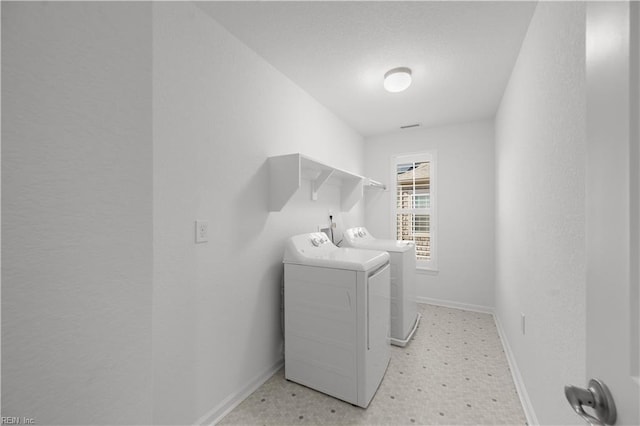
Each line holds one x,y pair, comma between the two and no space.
361,238
315,249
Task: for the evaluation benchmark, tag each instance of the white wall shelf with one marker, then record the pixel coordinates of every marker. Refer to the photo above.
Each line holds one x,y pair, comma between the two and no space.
287,171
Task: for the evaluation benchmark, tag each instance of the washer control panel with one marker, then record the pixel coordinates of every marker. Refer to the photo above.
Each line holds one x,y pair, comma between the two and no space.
318,238
358,233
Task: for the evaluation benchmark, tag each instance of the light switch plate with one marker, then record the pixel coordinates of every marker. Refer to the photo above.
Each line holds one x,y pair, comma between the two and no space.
202,231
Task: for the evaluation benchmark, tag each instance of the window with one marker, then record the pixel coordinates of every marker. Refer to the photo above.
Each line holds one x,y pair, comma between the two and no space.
414,204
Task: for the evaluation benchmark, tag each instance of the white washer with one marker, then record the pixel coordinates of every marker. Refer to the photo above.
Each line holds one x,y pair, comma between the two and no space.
336,317
404,309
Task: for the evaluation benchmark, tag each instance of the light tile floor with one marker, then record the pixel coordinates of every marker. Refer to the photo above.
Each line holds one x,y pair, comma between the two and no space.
454,371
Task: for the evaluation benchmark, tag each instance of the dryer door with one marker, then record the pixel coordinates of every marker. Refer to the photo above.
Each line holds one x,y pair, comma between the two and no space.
378,338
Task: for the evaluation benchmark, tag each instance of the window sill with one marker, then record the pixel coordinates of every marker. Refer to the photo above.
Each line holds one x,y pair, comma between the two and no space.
427,271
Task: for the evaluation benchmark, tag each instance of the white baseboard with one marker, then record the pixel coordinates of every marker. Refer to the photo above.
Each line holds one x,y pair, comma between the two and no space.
232,401
456,305
529,413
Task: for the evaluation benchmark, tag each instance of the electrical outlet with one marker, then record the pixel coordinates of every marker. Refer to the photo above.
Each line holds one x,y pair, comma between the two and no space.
522,322
202,231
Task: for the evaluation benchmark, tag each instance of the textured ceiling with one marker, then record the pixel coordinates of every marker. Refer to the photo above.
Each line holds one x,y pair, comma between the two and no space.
461,54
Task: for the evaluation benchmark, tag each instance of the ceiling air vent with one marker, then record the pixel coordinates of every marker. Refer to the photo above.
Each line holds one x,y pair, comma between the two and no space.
410,126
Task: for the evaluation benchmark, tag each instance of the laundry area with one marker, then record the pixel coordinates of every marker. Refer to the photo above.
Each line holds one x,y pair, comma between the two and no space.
239,213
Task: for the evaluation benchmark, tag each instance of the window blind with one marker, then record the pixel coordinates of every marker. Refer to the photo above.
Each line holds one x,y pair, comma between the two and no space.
414,204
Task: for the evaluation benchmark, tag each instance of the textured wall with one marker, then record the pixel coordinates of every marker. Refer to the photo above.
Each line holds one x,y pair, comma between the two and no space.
76,210
465,207
540,213
219,111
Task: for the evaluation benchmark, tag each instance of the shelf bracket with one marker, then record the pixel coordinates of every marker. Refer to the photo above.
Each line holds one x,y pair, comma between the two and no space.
284,180
318,182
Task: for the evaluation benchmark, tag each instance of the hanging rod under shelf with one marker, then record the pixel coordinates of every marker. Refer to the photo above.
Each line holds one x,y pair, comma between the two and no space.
375,184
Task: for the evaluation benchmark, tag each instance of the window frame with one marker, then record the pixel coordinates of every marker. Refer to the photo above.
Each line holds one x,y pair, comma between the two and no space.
432,210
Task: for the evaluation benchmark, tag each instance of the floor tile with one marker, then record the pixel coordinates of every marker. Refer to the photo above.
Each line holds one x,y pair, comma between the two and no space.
454,371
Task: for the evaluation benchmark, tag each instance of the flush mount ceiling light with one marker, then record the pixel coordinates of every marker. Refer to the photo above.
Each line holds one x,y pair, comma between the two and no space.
397,79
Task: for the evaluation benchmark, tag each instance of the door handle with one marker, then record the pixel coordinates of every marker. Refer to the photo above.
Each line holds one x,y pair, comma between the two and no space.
596,396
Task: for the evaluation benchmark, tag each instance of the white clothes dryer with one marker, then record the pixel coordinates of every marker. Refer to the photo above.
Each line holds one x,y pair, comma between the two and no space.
336,317
404,308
